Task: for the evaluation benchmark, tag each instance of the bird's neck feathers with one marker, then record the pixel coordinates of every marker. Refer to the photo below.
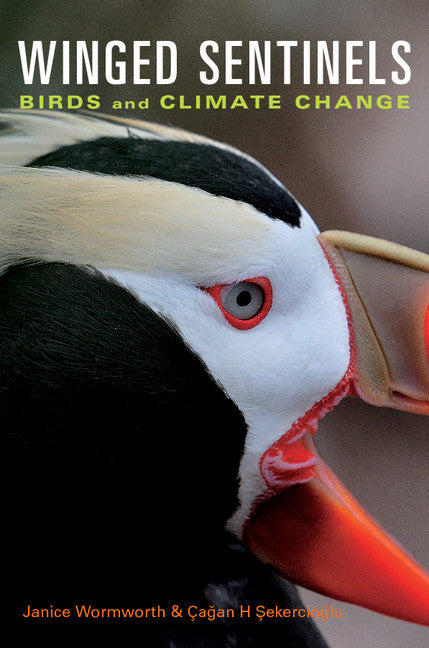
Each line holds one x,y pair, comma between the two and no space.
123,441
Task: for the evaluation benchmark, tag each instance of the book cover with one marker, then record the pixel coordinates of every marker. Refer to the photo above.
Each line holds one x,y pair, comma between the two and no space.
332,99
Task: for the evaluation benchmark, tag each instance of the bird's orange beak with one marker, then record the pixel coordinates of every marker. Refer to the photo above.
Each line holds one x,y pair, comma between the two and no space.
314,532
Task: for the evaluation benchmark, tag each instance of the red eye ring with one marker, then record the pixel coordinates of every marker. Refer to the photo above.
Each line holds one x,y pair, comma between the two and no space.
236,322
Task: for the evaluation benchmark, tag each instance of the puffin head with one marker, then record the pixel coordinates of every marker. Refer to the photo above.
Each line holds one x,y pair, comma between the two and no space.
285,320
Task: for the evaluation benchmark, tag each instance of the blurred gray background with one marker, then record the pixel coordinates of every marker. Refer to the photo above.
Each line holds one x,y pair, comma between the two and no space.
363,170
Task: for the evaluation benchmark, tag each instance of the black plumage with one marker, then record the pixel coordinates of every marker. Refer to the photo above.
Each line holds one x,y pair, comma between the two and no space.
216,170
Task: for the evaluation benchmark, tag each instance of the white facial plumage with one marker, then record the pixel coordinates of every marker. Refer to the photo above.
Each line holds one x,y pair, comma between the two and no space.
278,370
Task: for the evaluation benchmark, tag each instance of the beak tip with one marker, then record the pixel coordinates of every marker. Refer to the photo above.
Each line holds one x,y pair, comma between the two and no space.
318,536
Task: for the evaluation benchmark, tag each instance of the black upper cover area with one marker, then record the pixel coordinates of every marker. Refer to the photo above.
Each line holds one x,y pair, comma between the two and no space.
215,170
115,440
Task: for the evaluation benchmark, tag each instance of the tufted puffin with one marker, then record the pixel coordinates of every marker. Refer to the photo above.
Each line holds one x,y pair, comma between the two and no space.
172,328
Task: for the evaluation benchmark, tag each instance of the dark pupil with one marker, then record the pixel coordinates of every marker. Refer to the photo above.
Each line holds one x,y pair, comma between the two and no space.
243,298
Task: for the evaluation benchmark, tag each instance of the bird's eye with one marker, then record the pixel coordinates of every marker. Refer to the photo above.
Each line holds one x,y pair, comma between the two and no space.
243,300
244,304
